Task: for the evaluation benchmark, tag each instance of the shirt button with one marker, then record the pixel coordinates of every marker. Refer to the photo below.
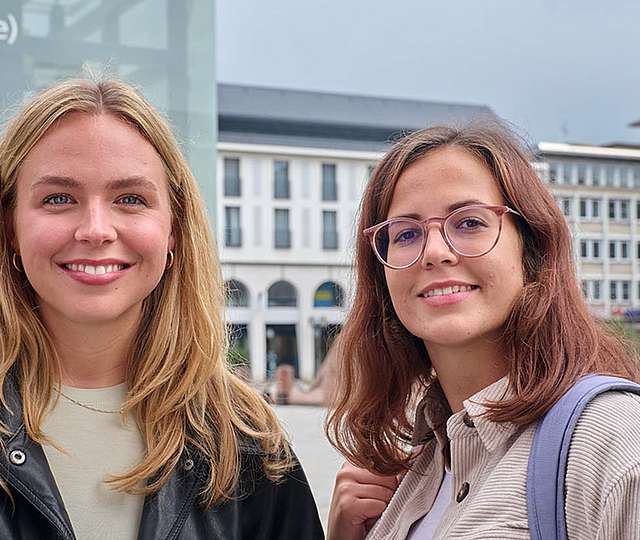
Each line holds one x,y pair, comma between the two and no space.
17,457
464,491
468,421
188,464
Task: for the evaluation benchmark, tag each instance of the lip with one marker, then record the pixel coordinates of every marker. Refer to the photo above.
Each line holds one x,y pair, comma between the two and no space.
446,299
92,279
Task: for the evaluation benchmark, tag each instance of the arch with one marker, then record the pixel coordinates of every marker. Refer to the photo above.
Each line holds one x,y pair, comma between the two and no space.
328,294
237,293
282,294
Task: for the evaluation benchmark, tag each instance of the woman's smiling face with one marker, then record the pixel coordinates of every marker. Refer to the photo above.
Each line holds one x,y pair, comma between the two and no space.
92,223
440,181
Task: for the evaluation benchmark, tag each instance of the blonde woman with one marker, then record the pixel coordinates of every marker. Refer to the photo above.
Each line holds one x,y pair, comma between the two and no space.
119,416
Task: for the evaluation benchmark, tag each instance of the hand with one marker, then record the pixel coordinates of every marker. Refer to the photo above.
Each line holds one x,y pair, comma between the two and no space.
359,498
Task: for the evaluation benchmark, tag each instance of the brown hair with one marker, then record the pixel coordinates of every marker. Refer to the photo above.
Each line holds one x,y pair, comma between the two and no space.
181,391
550,338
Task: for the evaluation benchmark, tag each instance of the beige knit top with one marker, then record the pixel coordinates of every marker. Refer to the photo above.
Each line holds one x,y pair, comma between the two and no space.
489,466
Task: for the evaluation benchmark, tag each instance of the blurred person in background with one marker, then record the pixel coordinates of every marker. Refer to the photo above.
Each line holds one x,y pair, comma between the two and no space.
467,302
119,416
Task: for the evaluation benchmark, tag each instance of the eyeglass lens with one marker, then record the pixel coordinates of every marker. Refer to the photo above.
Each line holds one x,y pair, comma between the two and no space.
471,232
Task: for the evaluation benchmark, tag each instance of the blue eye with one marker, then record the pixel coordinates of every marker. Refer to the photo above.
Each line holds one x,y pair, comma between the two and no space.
57,199
471,224
406,236
132,200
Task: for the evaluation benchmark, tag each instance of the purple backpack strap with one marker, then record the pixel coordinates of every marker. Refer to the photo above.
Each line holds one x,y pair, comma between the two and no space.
549,451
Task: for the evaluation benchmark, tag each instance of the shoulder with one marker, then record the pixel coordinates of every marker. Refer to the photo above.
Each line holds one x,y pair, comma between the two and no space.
603,468
285,506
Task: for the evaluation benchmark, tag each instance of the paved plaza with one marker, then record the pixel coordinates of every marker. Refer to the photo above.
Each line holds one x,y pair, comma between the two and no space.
320,461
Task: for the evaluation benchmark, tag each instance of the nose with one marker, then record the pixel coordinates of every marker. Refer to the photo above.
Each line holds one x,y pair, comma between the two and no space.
436,250
96,226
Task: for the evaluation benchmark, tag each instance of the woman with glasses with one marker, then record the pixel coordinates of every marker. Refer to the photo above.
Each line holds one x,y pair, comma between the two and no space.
467,326
119,417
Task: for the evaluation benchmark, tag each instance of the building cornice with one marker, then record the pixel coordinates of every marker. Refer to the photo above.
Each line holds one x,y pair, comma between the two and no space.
271,149
578,150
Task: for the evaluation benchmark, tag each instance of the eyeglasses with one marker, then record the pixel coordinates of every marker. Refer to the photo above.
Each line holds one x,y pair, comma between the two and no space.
470,231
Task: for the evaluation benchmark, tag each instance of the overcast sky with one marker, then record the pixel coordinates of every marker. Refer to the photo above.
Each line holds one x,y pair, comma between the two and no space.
561,70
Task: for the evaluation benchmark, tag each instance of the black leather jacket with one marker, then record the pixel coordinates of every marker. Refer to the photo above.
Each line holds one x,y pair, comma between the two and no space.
261,511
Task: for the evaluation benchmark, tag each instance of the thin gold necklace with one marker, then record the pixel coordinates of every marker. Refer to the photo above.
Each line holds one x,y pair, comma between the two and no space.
88,407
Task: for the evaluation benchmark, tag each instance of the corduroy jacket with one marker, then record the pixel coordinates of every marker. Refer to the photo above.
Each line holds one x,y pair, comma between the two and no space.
262,510
489,464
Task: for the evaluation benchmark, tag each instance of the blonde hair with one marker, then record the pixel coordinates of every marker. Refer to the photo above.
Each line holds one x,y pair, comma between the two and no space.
181,391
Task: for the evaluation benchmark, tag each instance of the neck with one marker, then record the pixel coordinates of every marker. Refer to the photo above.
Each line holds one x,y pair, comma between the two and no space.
94,355
465,370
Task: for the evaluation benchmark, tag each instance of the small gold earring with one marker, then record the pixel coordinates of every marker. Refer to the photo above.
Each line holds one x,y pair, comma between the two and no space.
171,259
14,260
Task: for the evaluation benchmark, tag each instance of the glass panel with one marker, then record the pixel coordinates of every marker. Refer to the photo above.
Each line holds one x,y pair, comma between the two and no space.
329,187
282,238
232,177
583,208
164,47
232,230
282,294
281,179
237,294
329,232
329,294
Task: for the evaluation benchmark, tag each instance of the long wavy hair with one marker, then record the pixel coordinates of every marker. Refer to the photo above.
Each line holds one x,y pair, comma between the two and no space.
550,337
181,392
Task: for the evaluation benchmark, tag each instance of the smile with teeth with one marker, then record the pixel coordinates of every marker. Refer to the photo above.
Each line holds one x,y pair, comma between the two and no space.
95,270
449,290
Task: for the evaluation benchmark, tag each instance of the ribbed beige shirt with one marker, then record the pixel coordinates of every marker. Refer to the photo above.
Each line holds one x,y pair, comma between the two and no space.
489,465
96,445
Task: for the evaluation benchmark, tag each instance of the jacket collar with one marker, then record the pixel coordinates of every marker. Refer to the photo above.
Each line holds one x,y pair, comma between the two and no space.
434,417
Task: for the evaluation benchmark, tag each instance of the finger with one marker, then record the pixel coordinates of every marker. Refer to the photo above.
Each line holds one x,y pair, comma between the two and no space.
363,476
348,491
362,510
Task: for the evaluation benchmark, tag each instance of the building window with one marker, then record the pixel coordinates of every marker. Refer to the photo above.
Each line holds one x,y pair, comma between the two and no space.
626,286
232,228
329,185
589,208
590,249
619,209
597,294
237,294
582,174
281,179
583,249
565,204
638,208
568,173
329,294
282,294
595,175
553,172
619,249
329,230
613,290
232,177
282,234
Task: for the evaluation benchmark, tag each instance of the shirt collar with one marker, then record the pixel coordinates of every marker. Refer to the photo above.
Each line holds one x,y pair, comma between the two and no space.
434,417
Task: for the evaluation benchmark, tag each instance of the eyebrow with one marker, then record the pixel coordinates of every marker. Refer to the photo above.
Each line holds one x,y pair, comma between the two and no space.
450,208
71,183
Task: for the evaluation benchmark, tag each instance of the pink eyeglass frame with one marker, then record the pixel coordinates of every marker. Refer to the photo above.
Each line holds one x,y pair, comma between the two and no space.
439,221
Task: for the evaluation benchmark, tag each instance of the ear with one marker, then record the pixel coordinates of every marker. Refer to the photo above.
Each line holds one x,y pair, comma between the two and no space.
172,241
